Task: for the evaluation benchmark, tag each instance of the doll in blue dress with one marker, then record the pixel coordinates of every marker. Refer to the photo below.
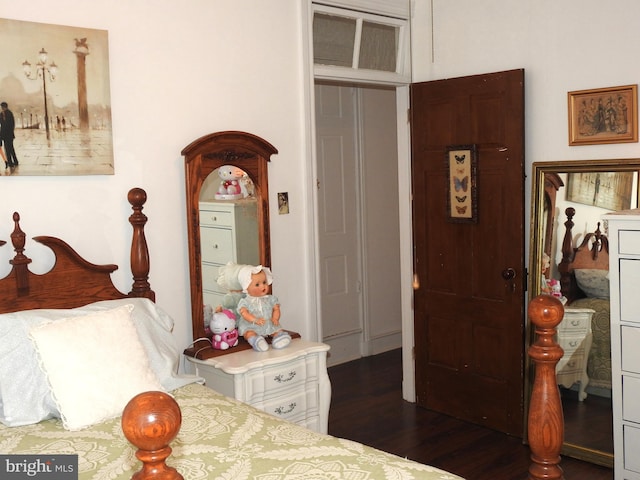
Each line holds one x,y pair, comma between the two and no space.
259,310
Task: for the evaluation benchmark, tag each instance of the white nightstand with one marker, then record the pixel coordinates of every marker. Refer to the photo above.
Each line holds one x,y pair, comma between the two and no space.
291,383
575,338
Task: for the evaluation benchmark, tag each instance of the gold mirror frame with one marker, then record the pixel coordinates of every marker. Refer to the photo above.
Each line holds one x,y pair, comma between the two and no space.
542,170
203,156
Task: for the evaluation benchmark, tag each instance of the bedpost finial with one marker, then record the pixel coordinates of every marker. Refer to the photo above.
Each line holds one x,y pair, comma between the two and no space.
546,311
150,421
137,197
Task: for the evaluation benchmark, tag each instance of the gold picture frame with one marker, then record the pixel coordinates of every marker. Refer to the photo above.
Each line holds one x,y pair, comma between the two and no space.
603,115
461,165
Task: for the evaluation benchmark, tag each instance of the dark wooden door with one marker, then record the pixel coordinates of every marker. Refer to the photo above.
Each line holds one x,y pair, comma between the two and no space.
468,317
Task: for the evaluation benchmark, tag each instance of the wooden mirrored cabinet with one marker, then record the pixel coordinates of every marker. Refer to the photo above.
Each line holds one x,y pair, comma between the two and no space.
568,249
224,226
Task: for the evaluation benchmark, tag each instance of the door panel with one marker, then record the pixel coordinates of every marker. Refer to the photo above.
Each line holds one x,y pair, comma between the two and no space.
468,318
337,211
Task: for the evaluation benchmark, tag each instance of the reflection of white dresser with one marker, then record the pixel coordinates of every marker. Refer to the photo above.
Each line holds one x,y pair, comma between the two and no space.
624,278
228,233
575,338
291,383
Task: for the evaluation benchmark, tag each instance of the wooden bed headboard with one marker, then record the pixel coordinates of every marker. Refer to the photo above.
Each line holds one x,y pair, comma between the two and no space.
593,252
73,281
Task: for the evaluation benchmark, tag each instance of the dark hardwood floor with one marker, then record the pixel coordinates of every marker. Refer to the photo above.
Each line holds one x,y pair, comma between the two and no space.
367,407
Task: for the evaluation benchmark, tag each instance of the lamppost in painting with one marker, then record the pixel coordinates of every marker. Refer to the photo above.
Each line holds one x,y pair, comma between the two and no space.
42,70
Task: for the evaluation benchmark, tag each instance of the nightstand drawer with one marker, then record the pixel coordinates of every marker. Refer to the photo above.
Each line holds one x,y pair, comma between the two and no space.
571,344
572,363
215,218
293,407
286,376
576,320
216,245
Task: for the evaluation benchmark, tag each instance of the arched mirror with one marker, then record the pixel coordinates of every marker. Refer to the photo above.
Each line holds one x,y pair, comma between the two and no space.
228,214
568,236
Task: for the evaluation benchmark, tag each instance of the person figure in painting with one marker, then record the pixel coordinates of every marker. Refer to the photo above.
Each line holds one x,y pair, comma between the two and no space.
7,126
6,165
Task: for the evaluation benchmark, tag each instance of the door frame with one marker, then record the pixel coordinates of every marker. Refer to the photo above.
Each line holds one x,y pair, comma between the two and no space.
404,192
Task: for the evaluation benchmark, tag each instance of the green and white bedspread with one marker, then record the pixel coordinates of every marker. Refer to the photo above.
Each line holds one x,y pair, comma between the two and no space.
220,438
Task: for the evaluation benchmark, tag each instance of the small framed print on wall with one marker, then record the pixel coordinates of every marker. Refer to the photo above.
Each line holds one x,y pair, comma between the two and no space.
603,115
461,175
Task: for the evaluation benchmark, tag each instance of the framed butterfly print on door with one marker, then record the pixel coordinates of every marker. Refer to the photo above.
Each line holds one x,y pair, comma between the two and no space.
462,195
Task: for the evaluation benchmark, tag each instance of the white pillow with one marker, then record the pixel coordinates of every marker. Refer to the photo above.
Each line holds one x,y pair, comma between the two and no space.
25,396
593,282
95,364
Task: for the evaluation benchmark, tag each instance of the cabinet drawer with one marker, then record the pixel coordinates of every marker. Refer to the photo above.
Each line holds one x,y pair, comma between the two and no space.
210,278
216,245
212,298
630,351
629,298
629,242
631,448
293,407
630,396
215,218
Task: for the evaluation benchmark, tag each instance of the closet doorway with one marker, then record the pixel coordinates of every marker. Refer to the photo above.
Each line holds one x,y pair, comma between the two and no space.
358,219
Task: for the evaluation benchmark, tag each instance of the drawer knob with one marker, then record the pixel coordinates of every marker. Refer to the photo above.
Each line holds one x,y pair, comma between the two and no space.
215,245
283,379
289,409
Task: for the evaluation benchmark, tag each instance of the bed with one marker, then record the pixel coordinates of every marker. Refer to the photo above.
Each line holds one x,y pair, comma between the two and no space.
89,371
584,282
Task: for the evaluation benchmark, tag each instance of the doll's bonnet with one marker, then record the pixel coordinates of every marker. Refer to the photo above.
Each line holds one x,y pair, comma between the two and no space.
244,275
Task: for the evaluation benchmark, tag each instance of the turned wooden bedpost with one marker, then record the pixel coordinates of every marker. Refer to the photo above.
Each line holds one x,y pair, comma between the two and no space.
140,263
546,422
20,260
566,285
150,421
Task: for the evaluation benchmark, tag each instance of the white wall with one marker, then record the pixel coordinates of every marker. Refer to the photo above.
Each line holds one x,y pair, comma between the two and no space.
179,70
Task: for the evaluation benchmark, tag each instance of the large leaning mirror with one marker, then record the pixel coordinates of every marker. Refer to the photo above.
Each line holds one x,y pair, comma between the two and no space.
569,259
227,192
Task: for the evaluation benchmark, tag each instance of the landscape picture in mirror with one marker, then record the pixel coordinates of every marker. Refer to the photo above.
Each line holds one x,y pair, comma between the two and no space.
569,256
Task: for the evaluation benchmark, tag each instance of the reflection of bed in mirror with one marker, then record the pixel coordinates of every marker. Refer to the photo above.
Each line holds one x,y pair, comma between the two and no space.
592,188
584,279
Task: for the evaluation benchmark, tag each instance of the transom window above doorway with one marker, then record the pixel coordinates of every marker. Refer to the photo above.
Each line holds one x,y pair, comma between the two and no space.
348,41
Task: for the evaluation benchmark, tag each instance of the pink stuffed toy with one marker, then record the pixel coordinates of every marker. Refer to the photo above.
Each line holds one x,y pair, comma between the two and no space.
223,328
230,183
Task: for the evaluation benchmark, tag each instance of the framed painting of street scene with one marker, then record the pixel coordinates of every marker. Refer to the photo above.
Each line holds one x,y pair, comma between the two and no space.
55,116
603,115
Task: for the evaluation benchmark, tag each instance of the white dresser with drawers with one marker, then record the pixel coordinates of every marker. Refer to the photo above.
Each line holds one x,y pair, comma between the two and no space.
228,233
624,278
291,383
